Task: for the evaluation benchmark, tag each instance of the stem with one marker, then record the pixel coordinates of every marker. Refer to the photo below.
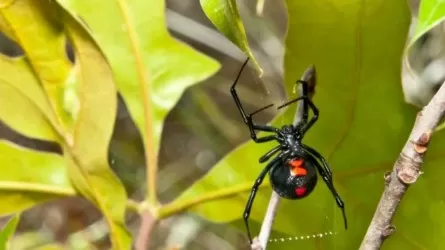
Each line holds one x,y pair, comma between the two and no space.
151,157
177,207
266,227
260,243
147,224
405,172
133,205
35,187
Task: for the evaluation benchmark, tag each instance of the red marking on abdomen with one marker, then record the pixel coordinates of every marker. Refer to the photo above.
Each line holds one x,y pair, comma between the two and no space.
300,191
297,168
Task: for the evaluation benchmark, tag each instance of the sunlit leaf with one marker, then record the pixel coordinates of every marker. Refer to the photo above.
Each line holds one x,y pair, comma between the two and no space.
88,156
363,123
30,177
8,231
34,25
151,69
224,14
23,104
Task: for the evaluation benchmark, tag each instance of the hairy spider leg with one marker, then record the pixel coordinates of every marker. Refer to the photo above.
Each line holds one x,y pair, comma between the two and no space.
327,179
255,187
248,118
320,157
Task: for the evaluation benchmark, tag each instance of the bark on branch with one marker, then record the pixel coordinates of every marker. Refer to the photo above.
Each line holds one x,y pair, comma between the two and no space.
405,172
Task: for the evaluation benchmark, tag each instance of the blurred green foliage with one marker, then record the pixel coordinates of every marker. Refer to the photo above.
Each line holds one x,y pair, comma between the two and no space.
8,231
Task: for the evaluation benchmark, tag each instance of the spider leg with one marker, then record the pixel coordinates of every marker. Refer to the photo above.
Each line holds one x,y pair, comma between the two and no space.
269,154
328,180
314,118
304,84
306,105
254,190
320,157
303,97
291,101
248,118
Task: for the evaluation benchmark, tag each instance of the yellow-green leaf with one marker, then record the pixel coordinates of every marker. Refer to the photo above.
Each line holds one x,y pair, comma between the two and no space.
151,69
8,231
34,25
431,13
225,16
30,177
97,95
23,105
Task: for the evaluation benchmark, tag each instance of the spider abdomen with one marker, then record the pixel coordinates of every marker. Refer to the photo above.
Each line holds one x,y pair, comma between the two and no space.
294,179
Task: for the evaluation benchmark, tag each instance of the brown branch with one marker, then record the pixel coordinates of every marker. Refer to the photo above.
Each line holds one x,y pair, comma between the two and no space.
405,172
145,230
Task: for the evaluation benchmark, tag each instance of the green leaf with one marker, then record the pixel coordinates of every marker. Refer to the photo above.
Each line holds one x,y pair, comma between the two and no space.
225,16
431,13
23,104
363,123
8,231
151,69
144,56
88,155
34,25
30,177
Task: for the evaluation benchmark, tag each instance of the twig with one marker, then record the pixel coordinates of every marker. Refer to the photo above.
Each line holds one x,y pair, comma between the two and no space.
405,172
147,224
260,243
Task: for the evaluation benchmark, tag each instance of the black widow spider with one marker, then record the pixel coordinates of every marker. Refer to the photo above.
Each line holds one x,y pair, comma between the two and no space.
293,173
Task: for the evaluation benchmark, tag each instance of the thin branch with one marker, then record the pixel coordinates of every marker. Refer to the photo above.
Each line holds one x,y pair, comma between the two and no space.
260,243
266,227
405,172
147,224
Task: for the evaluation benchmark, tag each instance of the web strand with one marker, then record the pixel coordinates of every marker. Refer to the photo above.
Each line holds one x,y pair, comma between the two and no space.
303,237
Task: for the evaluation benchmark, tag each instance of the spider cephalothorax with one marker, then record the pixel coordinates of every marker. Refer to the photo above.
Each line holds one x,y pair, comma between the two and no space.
293,172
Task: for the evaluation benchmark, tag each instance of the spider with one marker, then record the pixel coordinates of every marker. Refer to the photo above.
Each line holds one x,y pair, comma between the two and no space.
293,173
